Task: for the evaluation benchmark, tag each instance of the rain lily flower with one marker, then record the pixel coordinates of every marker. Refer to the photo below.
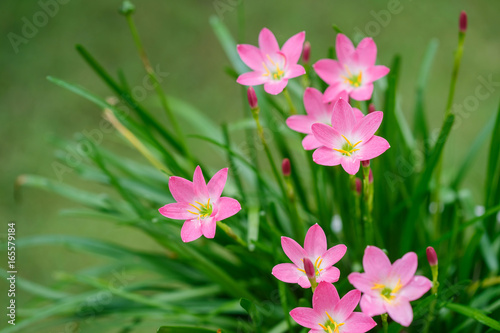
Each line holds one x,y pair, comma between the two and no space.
315,249
331,314
389,288
355,71
348,141
200,204
271,65
317,112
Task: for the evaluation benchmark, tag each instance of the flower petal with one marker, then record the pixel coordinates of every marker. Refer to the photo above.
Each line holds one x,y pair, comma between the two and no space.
416,288
358,323
252,79
328,70
331,275
275,87
358,114
376,263
251,56
293,47
343,118
362,282
327,135
304,282
350,164
374,147
227,207
310,142
344,48
191,230
208,227
372,306
294,71
325,297
288,273
367,52
367,127
315,242
177,211
267,42
404,269
333,255
362,93
376,72
335,92
216,184
313,103
293,251
200,186
300,123
182,189
346,305
327,156
400,311
306,317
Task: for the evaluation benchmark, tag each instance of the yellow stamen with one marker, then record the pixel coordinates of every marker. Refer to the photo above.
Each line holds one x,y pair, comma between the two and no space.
329,317
271,60
342,151
347,70
323,326
192,212
316,262
398,286
378,286
302,270
195,207
349,142
357,143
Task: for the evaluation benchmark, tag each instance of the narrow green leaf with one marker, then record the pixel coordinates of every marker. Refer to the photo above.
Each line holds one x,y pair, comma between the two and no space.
475,314
184,329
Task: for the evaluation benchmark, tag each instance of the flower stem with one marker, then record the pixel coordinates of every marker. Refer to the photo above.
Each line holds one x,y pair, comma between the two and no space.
293,110
227,229
432,306
368,190
384,322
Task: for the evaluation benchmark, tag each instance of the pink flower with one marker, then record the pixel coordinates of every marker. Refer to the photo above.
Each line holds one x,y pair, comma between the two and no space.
354,72
317,112
271,66
389,288
200,204
348,141
331,314
315,249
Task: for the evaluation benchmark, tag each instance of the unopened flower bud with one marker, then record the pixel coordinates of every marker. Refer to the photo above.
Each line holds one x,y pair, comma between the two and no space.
462,23
365,163
309,268
127,8
371,108
432,256
286,167
358,186
252,98
370,177
306,52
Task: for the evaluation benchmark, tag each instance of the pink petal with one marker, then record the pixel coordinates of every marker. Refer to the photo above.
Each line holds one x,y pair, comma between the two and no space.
293,251
200,186
367,127
362,93
343,119
177,211
287,273
251,56
267,42
404,269
333,255
362,282
331,275
400,311
416,288
315,242
306,317
310,142
300,123
293,47
216,184
275,87
335,92
227,207
294,71
208,227
372,306
191,230
182,189
344,48
325,297
346,305
252,79
373,148
367,52
350,164
325,134
304,282
313,103
358,323
328,70
327,156
358,114
376,263
376,72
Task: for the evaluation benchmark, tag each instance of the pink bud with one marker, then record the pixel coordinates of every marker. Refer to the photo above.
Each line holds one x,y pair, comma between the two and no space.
370,177
358,186
432,256
462,25
371,108
309,268
365,163
286,167
252,97
306,52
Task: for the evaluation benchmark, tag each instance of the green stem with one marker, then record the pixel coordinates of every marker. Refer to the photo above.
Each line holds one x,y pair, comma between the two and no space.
384,322
227,229
293,110
368,190
432,306
356,207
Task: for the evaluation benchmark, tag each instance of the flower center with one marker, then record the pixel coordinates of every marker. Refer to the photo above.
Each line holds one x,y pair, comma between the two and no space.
276,73
348,148
317,264
331,326
387,293
353,80
202,210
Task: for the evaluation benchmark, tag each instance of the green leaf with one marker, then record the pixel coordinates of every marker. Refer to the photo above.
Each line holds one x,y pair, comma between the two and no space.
475,314
184,329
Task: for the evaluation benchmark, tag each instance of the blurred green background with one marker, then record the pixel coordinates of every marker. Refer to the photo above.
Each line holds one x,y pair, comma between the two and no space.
180,41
